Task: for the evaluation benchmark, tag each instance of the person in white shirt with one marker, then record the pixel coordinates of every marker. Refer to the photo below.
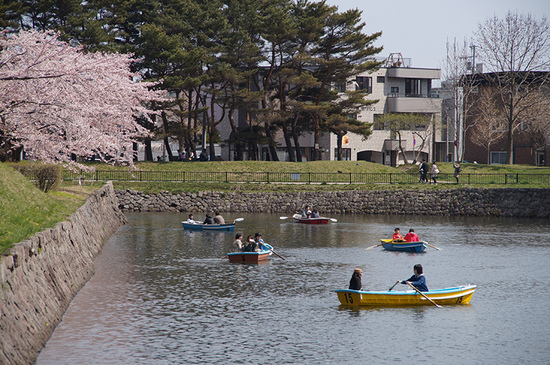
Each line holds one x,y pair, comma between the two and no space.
191,220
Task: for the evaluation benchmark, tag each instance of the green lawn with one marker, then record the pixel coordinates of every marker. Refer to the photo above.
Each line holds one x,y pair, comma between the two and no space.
305,167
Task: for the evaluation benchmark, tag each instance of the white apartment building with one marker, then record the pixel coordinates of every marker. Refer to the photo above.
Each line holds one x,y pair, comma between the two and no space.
399,88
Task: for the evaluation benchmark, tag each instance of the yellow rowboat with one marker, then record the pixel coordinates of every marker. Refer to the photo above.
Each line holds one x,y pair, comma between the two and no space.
447,296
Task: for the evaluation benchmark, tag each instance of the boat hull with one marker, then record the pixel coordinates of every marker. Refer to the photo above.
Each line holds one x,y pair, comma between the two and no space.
209,227
416,247
312,220
248,257
447,296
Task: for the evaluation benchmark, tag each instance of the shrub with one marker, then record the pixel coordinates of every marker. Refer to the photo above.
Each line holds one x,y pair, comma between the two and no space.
45,177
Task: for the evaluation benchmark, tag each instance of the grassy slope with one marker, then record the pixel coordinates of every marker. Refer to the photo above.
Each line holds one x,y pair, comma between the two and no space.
25,210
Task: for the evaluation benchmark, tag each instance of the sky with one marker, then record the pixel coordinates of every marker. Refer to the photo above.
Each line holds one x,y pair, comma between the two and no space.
420,29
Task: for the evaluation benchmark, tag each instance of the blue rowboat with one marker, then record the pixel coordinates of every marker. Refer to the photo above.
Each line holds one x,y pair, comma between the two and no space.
448,296
391,245
208,227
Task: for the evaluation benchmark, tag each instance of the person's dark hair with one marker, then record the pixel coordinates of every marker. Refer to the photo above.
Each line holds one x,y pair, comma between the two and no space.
411,230
208,215
238,235
397,229
418,268
257,234
190,215
216,212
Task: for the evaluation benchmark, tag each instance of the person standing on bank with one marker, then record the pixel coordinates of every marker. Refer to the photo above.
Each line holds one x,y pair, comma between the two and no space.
433,172
417,280
355,282
456,165
423,171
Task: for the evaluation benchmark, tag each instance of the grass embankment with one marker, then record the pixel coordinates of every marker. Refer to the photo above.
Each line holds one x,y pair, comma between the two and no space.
25,210
305,167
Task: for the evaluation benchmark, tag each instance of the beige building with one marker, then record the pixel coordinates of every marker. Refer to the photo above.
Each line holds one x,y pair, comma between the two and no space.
399,88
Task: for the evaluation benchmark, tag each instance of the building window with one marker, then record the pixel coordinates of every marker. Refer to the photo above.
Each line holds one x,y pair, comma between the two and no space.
364,83
380,79
340,86
394,90
346,154
377,125
498,157
412,87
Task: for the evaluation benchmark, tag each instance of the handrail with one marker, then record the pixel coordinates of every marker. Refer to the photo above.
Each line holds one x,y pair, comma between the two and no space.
304,177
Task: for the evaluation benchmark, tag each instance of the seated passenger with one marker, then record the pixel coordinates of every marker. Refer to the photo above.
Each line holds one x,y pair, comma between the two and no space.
355,282
397,236
417,280
218,219
411,236
208,219
191,220
315,214
238,243
259,242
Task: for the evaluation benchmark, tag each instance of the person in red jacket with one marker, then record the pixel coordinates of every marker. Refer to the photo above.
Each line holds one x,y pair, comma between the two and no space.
397,236
411,236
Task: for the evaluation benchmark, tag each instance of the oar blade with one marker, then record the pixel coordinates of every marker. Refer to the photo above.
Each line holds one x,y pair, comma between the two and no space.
239,220
283,218
333,220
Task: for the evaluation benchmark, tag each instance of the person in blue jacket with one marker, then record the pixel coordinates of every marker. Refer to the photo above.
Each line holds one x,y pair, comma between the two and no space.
417,280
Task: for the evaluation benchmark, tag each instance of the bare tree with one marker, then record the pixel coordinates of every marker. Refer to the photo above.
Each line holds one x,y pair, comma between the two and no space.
489,127
458,88
516,50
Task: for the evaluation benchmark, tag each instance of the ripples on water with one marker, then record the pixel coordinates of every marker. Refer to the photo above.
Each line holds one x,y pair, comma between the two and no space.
162,295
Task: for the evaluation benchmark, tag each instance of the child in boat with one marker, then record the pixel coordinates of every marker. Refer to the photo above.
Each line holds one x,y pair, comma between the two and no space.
191,220
238,243
355,282
417,280
397,236
411,236
259,242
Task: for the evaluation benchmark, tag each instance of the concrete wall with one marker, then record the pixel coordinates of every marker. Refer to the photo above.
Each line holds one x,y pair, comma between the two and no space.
42,275
530,203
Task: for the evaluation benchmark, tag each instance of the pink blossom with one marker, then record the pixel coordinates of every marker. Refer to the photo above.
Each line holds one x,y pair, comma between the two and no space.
56,100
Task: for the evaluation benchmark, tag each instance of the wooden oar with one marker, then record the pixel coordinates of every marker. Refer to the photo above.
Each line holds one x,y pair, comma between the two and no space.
378,245
432,246
224,256
270,249
238,220
283,217
371,247
397,282
419,292
333,220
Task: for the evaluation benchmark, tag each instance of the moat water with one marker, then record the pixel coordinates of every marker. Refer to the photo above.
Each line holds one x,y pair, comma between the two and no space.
162,295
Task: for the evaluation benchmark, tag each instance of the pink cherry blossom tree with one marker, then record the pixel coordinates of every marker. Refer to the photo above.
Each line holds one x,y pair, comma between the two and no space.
56,100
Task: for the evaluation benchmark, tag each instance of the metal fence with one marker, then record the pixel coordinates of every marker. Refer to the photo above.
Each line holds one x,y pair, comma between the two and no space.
302,177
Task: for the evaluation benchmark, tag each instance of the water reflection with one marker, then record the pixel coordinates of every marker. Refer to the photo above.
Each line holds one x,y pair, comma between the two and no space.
162,295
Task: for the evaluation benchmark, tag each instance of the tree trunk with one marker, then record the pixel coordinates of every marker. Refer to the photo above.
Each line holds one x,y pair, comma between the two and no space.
148,149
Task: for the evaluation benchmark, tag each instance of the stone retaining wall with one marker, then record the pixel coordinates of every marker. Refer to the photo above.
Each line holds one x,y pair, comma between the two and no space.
42,275
513,202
